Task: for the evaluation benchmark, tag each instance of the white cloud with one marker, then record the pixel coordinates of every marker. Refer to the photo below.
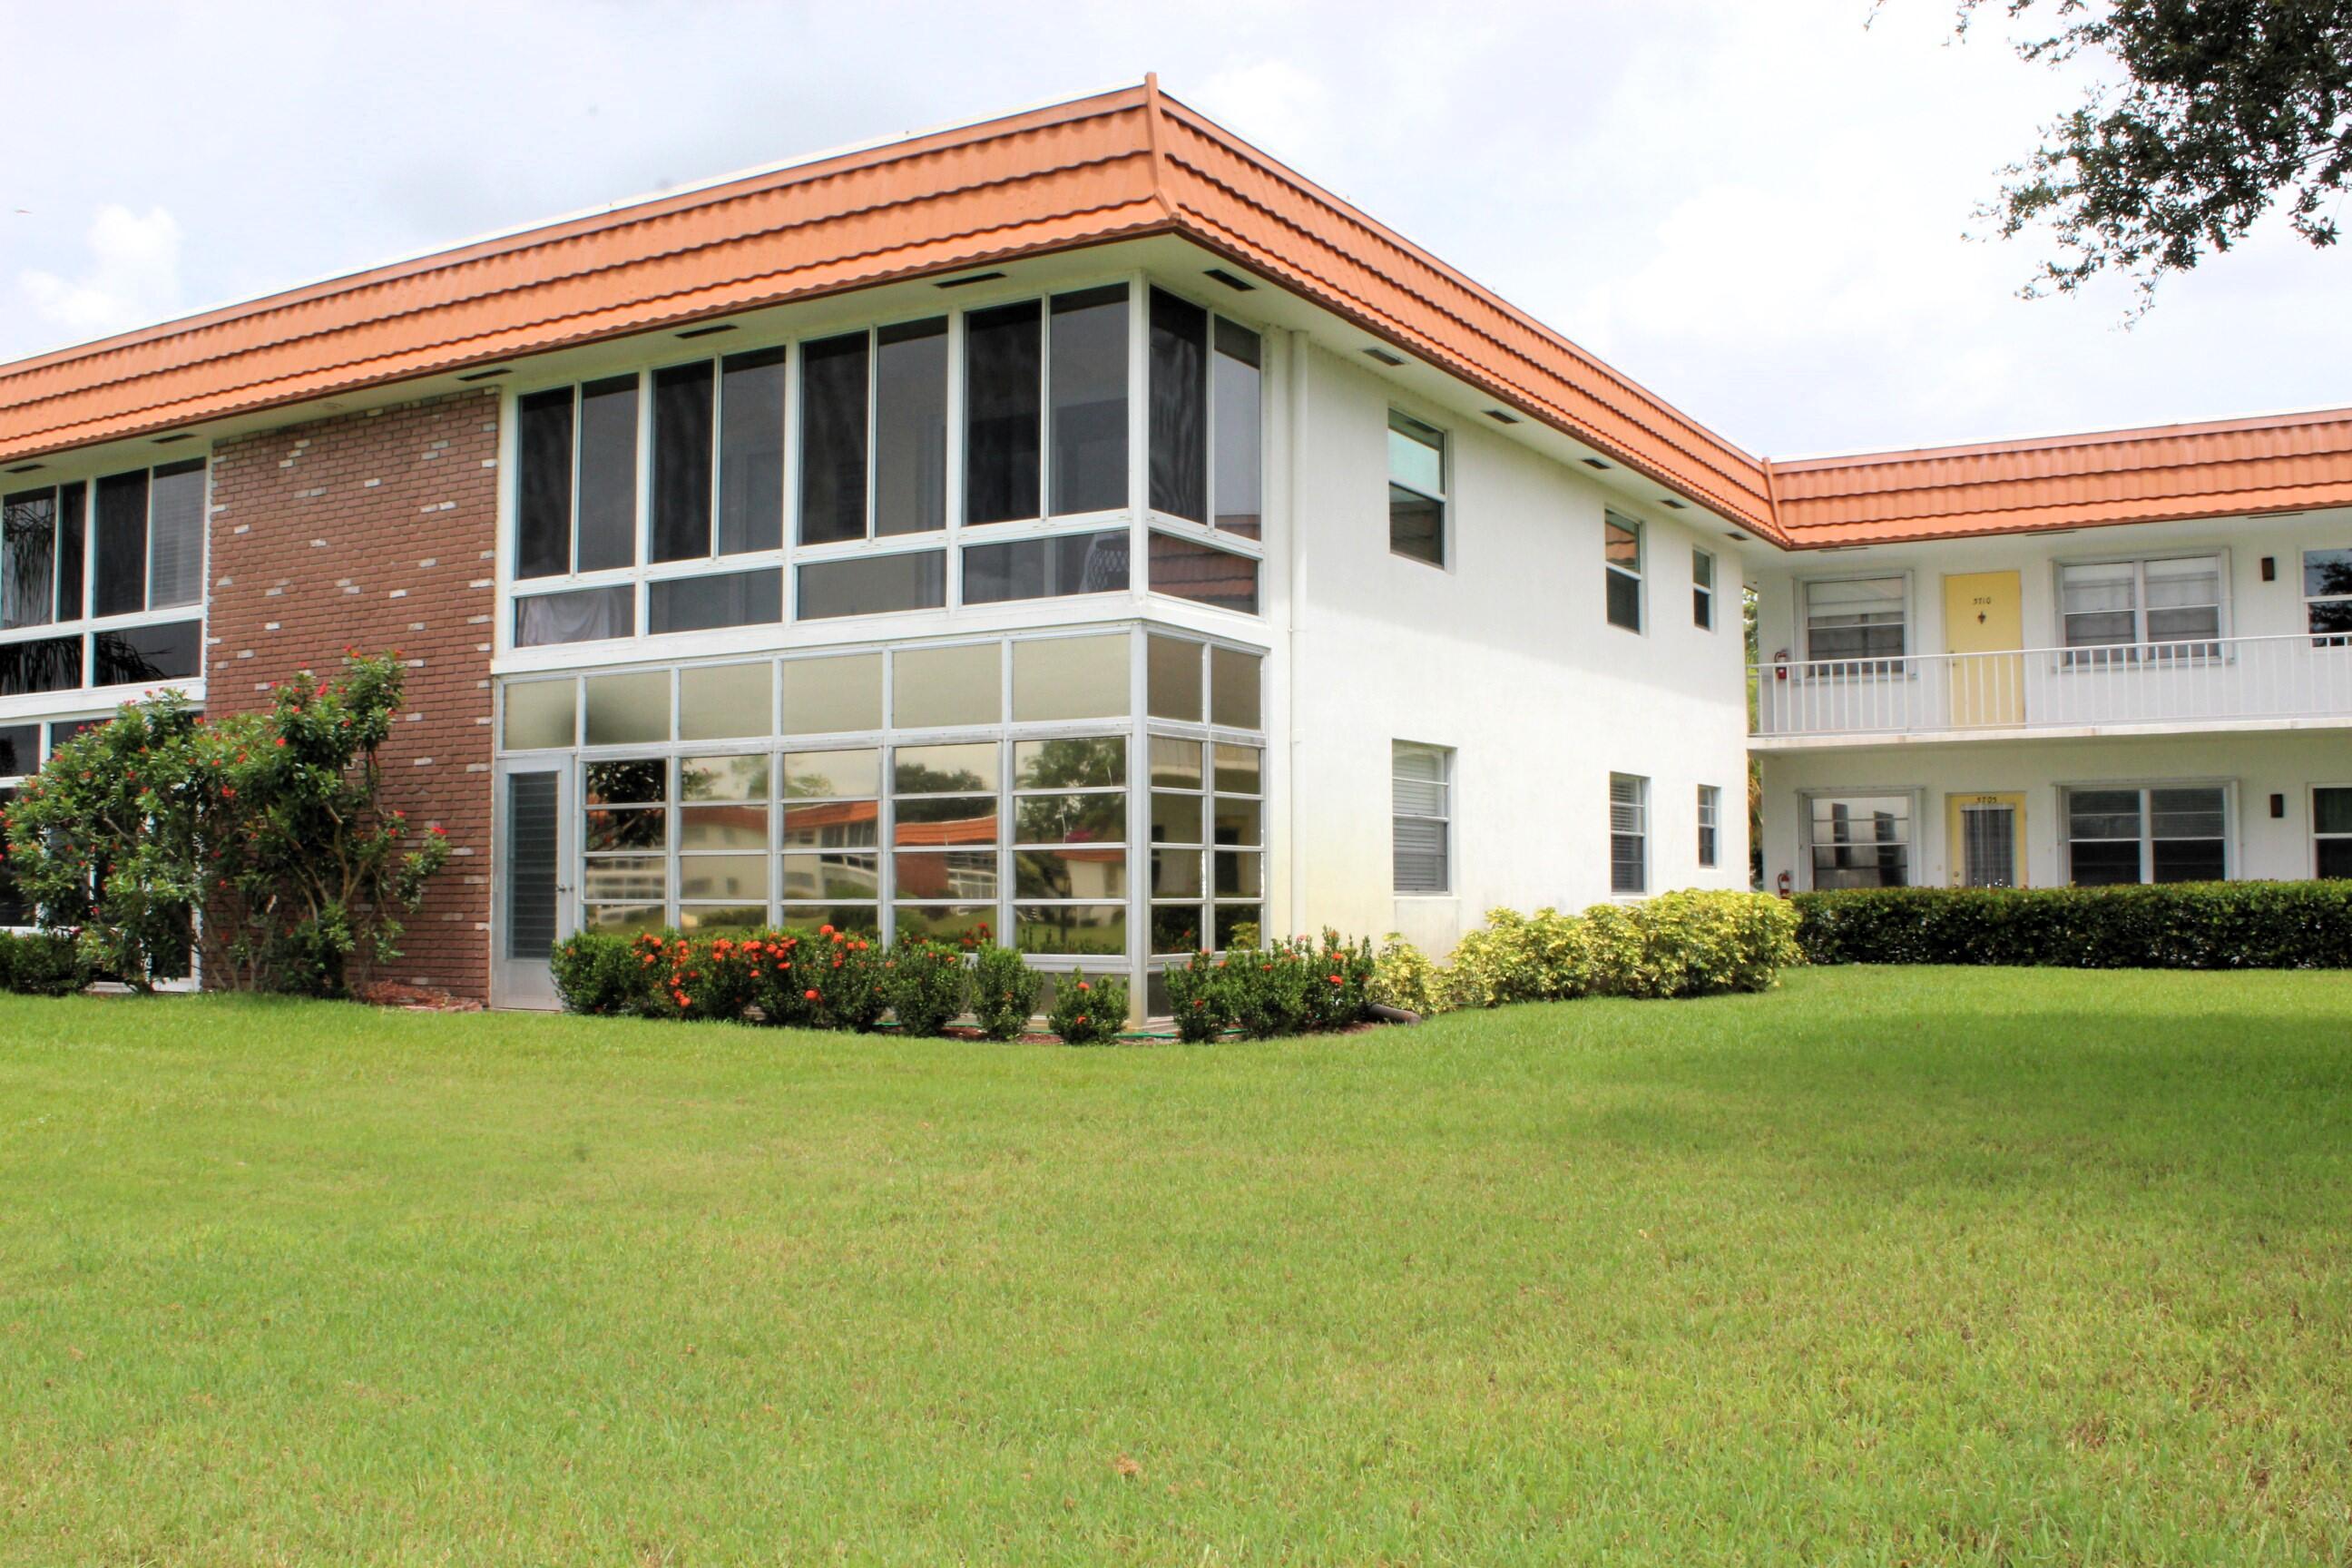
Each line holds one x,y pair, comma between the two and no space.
134,276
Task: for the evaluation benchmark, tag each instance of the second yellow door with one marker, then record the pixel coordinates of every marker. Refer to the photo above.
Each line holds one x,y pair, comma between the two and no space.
1983,619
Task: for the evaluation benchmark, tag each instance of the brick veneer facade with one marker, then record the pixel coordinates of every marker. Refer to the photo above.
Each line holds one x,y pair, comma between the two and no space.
377,529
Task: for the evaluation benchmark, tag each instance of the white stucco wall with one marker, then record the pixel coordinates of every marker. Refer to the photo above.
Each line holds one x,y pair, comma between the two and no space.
1505,656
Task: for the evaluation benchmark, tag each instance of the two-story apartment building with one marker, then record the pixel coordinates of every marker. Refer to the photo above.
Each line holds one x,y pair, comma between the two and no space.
1082,527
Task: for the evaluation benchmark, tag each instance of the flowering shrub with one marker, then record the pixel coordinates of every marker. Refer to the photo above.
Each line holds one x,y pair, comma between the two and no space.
1004,992
273,825
1089,1012
1296,986
598,973
924,983
844,980
1198,995
695,978
1338,982
783,994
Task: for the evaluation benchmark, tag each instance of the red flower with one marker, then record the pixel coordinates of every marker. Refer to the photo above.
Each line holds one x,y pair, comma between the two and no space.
825,931
1084,986
1336,980
808,996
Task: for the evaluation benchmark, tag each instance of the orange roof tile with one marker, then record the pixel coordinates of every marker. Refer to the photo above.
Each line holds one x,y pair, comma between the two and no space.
2223,468
1117,165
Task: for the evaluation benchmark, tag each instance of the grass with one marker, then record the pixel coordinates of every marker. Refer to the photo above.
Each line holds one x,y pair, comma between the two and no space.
1892,1266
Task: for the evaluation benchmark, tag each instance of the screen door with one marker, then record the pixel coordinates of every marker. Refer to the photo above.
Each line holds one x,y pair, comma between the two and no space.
534,903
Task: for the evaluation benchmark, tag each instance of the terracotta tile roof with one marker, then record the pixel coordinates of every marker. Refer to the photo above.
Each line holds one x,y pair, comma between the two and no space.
2224,469
1117,165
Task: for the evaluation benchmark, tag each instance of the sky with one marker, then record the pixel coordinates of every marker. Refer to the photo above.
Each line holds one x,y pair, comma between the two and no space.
1760,209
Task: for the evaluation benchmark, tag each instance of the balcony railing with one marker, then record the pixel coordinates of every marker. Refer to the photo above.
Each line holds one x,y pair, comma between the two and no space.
2217,681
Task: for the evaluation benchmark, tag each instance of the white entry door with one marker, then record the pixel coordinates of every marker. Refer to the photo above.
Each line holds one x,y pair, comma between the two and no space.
534,907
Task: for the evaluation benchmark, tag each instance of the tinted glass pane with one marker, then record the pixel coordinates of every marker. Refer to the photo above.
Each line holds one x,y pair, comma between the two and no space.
1070,678
621,920
854,919
28,559
1088,376
1416,454
1242,822
624,876
959,874
1173,678
911,427
1091,930
1069,874
1621,544
175,538
949,922
964,766
49,664
1002,413
1078,762
2331,810
1187,569
1176,819
744,827
2188,861
1176,873
1230,918
1417,525
20,750
72,502
2185,813
833,439
1233,689
751,452
610,828
735,777
2334,857
726,599
956,684
725,700
1236,462
1179,407
1237,768
1176,928
1624,597
174,652
542,713
2102,864
1175,764
543,483
825,696
718,920
722,877
830,876
1045,568
636,780
872,584
623,709
2327,574
834,825
821,775
583,615
682,422
1070,818
608,473
122,585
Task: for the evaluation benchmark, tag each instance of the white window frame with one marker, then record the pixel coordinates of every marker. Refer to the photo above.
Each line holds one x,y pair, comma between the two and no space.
2106,655
88,700
1443,818
1710,825
1640,832
1135,517
1703,594
2068,789
2315,835
2303,565
1442,496
1639,575
1806,844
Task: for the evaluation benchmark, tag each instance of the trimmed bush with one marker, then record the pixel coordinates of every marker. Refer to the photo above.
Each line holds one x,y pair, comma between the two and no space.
1004,992
601,973
1199,997
924,982
2176,925
1543,957
1089,1012
844,970
780,989
1404,977
1692,944
41,963
698,979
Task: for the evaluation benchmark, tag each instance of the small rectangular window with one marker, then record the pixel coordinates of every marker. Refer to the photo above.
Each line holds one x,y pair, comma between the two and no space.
1178,352
1045,568
1629,834
1711,806
135,656
29,537
175,535
717,599
1088,376
1621,557
543,483
1702,590
608,474
121,586
46,664
911,427
1237,464
1854,620
1416,489
1003,413
833,439
682,434
751,452
1858,841
1421,786
2331,832
2137,604
2327,594
2157,834
872,584
588,615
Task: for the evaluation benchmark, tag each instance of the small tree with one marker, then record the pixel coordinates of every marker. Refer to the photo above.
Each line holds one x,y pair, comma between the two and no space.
272,824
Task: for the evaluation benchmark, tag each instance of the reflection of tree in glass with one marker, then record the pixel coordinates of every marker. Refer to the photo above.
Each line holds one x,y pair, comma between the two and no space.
1078,763
916,778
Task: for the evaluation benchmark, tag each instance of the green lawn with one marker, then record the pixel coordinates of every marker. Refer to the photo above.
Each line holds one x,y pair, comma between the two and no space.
1889,1267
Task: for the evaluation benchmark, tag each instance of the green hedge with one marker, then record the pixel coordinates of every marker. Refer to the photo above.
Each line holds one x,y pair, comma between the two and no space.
2178,925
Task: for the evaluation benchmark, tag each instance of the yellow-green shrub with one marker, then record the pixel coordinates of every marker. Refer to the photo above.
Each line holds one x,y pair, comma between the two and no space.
1404,977
1543,957
1677,944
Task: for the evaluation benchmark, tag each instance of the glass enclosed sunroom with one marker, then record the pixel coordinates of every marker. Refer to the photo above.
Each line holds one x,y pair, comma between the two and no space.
947,625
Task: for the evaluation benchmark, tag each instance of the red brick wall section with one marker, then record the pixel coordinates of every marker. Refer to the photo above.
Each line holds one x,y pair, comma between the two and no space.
378,531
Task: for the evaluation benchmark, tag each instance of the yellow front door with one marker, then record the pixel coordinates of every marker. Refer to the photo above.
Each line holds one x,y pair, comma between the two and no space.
1986,836
1982,620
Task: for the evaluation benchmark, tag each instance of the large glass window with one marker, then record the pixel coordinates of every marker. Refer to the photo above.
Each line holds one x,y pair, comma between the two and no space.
1003,413
1629,834
1859,840
1422,820
1854,619
1088,379
2170,601
2327,594
1416,489
624,842
131,544
829,863
2331,831
2160,833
